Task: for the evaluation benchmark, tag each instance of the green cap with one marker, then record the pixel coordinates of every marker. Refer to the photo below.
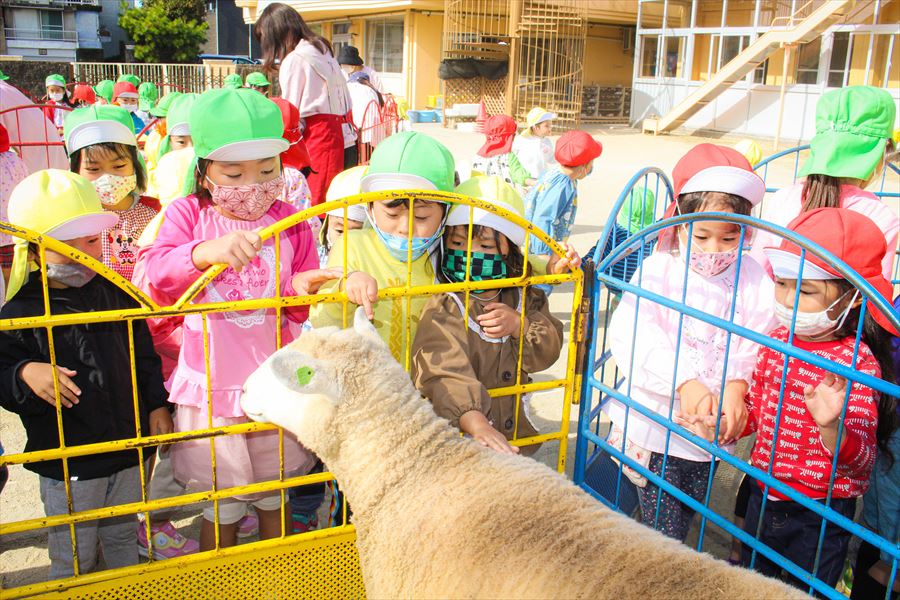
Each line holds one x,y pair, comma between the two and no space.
132,79
637,211
853,125
162,107
55,79
410,160
104,89
97,124
233,81
3,76
147,96
177,121
258,79
238,125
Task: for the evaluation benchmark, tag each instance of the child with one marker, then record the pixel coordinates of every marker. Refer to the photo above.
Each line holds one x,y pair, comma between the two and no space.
175,161
635,214
12,171
103,149
848,152
57,97
95,383
458,355
83,95
154,139
126,96
147,97
827,318
104,90
552,202
495,157
237,139
674,364
377,256
233,81
532,147
129,78
258,82
346,183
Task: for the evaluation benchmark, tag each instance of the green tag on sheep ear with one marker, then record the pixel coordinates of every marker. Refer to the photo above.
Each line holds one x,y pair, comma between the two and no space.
304,375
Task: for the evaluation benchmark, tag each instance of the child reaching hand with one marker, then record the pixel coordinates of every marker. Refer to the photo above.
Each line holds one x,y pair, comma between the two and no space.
674,364
238,182
459,354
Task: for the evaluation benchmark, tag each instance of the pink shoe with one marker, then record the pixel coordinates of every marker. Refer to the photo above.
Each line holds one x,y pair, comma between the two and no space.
248,526
167,542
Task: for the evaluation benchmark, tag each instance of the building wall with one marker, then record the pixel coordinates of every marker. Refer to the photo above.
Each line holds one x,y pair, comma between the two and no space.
425,39
109,21
606,62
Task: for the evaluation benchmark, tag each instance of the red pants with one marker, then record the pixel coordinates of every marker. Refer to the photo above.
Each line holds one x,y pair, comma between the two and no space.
325,143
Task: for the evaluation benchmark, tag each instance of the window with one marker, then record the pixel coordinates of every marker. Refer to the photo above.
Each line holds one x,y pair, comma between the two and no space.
649,47
675,56
808,63
340,36
839,53
732,45
51,25
384,45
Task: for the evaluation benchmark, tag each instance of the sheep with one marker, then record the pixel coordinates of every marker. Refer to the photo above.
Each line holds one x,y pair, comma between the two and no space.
440,516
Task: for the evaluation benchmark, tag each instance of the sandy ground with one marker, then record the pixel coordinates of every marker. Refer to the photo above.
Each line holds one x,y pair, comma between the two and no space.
23,557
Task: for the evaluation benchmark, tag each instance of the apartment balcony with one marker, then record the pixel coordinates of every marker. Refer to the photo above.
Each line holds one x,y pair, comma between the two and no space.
40,35
64,4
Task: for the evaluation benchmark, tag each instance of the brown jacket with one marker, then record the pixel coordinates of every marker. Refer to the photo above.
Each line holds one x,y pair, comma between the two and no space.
455,365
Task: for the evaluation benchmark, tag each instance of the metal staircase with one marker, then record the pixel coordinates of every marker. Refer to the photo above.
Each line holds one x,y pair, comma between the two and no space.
820,16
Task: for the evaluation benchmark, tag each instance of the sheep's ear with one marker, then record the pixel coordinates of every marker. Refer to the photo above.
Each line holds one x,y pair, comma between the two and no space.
362,325
301,373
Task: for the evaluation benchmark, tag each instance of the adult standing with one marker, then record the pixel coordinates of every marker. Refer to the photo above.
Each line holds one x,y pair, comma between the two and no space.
351,62
311,80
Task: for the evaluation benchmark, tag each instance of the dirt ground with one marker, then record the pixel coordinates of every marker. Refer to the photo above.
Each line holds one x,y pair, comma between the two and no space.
23,557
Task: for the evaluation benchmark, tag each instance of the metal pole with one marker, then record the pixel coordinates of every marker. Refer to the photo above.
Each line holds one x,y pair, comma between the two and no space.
512,78
788,50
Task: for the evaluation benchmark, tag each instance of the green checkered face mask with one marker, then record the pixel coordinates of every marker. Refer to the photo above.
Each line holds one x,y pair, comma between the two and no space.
484,266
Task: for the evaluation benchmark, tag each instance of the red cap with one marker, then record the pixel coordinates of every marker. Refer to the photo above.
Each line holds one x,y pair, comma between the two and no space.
500,131
124,87
296,156
84,93
4,139
852,237
575,148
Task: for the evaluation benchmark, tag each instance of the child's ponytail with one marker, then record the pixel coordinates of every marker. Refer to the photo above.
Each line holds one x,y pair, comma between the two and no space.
821,191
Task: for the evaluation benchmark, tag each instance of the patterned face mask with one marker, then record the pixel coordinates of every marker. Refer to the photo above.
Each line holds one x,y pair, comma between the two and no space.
709,264
250,201
485,267
112,189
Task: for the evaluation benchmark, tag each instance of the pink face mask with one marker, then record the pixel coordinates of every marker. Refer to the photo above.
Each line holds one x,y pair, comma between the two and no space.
709,264
248,202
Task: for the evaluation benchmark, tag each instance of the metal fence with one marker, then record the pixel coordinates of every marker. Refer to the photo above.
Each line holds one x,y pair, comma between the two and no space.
167,77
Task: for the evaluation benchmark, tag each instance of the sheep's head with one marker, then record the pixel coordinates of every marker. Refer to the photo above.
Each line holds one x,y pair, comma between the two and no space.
304,386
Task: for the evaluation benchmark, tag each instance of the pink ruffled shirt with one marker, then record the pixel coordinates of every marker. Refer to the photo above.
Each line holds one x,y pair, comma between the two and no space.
648,353
784,206
239,341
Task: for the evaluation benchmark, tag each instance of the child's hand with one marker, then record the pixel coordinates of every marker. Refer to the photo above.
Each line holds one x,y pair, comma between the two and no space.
696,399
476,424
499,320
701,425
734,411
826,400
161,422
309,282
362,290
235,249
39,377
557,265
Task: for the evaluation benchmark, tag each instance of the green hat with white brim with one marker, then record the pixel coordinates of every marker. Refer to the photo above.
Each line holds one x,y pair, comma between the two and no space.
161,110
257,79
499,193
233,81
853,125
177,121
97,124
410,161
55,79
130,78
104,89
236,125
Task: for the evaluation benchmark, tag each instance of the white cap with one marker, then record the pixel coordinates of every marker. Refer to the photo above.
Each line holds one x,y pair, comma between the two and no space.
249,150
787,265
728,180
381,182
83,226
357,212
129,95
459,215
180,129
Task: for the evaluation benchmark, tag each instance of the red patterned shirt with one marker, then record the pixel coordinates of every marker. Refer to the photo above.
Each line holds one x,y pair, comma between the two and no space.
801,459
120,242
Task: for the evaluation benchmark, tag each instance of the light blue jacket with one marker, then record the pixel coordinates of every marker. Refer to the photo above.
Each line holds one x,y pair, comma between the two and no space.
881,503
551,206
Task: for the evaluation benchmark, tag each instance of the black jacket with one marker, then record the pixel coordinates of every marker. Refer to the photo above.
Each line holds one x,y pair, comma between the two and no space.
99,353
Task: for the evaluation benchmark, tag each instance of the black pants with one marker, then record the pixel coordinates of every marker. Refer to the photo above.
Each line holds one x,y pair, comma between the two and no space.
793,532
351,157
864,587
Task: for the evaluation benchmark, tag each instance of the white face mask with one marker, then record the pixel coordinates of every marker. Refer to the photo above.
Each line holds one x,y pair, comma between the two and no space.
814,325
56,96
129,107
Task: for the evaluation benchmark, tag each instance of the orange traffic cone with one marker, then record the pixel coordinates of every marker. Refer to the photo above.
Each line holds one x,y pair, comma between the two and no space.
482,117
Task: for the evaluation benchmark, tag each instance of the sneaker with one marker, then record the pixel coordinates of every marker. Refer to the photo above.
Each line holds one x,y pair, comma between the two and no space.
303,522
248,526
167,542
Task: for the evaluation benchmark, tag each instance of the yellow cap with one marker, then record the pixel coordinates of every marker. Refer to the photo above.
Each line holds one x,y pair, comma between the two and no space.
56,203
538,115
751,151
496,191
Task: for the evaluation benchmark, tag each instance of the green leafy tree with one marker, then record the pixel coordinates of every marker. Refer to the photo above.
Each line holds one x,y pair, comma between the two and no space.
161,38
181,9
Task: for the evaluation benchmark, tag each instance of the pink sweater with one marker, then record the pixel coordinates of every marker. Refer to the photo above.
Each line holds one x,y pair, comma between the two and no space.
784,206
239,341
313,82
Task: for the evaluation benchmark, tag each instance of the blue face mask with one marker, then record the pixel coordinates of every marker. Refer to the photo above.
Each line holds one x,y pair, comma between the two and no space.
398,245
